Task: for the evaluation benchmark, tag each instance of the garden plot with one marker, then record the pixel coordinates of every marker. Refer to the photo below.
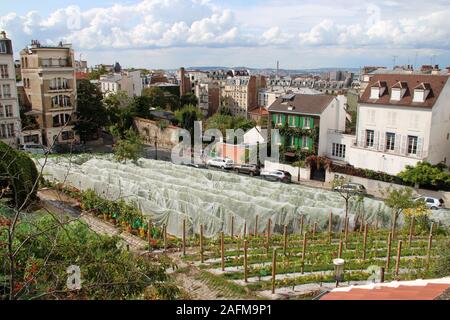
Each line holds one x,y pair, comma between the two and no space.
298,272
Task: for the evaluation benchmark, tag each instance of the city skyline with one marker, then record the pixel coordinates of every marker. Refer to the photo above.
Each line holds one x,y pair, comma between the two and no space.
300,34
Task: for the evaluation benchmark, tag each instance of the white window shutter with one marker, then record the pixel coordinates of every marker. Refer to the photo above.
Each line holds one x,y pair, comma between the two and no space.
420,147
404,145
381,146
397,143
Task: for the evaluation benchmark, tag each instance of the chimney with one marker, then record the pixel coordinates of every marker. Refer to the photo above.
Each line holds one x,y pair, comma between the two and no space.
3,35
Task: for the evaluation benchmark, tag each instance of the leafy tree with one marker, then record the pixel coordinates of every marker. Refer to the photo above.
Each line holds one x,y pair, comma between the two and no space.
224,122
155,97
299,164
189,99
425,174
91,112
128,148
120,113
399,200
18,176
141,107
225,111
346,193
187,116
96,74
441,265
106,270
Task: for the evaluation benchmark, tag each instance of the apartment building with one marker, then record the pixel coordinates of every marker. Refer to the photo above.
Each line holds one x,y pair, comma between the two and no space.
10,127
240,93
129,82
208,95
304,121
402,119
48,75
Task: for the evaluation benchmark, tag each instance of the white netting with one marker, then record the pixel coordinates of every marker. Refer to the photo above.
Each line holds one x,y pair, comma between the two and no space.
170,193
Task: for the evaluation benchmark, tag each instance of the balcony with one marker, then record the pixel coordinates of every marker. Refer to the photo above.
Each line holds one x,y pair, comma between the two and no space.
398,150
59,89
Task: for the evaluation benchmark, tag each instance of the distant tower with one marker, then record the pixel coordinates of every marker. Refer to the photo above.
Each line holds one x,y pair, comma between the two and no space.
278,68
117,68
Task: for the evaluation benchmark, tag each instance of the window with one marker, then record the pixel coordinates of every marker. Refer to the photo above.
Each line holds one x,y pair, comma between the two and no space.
67,135
10,130
305,142
370,134
61,101
31,139
60,120
58,84
307,123
4,71
412,145
338,150
291,121
6,91
390,141
3,47
8,112
279,119
2,113
3,131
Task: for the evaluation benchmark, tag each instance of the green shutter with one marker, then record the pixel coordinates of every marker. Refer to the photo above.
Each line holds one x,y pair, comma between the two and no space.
290,120
297,122
302,121
310,143
283,119
274,118
297,142
312,123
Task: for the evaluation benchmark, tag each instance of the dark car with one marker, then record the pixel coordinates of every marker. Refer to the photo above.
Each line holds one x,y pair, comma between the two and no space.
249,169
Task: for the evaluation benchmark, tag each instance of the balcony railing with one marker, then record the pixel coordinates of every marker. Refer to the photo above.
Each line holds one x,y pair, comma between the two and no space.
398,150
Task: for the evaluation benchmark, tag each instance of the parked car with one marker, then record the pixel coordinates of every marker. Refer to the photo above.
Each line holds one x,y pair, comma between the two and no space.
277,175
34,148
351,187
222,163
432,203
249,169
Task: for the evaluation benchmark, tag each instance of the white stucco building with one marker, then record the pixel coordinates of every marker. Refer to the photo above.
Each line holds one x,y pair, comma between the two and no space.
129,82
10,127
402,119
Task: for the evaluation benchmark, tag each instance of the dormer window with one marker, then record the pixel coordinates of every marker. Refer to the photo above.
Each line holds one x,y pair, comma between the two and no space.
377,90
421,92
398,91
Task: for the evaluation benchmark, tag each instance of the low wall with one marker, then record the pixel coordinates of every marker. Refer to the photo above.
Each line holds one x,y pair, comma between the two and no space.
305,173
374,186
148,129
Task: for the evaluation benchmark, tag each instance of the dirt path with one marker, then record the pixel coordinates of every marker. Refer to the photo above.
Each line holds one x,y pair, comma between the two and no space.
187,275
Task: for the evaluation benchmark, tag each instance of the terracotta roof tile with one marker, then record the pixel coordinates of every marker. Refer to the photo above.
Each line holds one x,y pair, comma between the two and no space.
435,84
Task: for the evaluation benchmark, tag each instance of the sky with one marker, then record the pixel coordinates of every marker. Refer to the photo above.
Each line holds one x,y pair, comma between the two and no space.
300,34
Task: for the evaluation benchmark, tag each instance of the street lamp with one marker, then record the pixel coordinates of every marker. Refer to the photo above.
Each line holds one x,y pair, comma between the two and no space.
338,270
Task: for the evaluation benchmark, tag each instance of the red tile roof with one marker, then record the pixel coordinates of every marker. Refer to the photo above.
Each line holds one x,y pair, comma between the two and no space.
259,111
80,75
403,290
434,82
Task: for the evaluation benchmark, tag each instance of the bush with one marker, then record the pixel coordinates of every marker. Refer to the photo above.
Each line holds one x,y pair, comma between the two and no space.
366,173
18,173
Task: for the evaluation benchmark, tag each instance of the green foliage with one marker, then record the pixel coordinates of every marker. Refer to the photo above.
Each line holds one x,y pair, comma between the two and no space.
187,115
128,148
107,271
223,122
399,200
441,265
95,75
426,174
91,112
189,99
155,97
18,174
365,173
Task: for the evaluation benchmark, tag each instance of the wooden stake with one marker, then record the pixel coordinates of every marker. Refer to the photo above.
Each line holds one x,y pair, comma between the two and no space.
365,241
274,269
202,258
222,250
149,235
376,222
184,237
411,231
314,230
340,249
165,236
388,260
382,275
430,242
347,222
268,236
245,261
232,227
245,229
301,224
256,226
285,239
399,252
431,228
330,229
305,239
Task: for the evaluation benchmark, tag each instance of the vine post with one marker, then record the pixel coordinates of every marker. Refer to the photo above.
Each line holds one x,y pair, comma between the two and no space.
274,268
222,250
305,239
245,261
388,260
202,258
399,252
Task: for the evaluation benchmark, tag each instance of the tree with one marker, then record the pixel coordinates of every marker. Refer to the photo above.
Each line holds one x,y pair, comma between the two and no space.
299,164
128,148
141,107
399,200
187,116
96,74
441,265
155,97
223,122
18,176
91,112
188,99
346,193
425,174
120,113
